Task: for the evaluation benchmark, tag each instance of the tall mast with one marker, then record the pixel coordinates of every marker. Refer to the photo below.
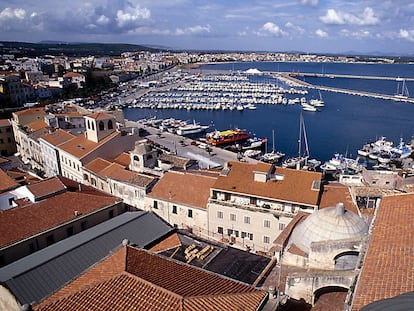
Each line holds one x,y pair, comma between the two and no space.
273,139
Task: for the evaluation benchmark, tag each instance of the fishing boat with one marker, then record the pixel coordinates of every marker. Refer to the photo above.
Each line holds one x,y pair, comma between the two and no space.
273,156
401,151
221,138
253,143
193,128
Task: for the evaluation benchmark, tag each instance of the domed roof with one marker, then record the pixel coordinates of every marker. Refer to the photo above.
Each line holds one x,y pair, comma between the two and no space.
142,148
328,224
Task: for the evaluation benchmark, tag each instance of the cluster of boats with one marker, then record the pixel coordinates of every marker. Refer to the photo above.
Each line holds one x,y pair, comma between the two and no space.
385,152
222,92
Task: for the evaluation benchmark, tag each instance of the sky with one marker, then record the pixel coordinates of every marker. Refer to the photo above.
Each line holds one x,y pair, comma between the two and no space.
310,26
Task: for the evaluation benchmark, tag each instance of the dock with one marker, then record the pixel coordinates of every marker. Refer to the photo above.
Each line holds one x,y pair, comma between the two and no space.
299,83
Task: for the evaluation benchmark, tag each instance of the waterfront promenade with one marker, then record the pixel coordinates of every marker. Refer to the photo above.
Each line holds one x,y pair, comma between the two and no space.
182,146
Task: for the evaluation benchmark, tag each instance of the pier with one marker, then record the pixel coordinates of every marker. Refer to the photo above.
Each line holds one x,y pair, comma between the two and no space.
299,83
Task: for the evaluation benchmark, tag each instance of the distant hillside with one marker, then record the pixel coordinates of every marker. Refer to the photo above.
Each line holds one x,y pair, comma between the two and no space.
69,49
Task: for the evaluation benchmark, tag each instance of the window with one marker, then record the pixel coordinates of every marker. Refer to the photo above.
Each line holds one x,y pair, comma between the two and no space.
155,205
9,139
233,217
281,226
190,213
220,230
11,201
93,126
266,223
174,209
250,236
83,225
111,213
246,219
50,240
1,141
110,125
220,214
8,130
266,239
69,231
101,126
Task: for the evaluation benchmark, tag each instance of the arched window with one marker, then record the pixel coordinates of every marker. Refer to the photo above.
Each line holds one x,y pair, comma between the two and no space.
136,158
101,126
93,126
89,125
110,125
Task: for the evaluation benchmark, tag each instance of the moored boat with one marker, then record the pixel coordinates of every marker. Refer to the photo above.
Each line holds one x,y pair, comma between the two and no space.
193,128
221,138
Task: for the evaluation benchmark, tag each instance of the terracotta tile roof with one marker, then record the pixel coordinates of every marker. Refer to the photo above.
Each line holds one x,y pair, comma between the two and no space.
184,188
334,193
37,125
29,111
97,165
293,249
100,115
80,146
388,266
6,182
4,160
68,114
177,161
170,242
296,187
22,222
47,187
123,159
118,172
152,282
283,237
4,122
58,137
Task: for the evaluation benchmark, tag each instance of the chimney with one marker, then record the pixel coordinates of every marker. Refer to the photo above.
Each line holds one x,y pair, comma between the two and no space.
80,187
339,209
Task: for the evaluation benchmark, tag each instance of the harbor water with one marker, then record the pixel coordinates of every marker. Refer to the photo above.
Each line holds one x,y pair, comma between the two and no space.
343,125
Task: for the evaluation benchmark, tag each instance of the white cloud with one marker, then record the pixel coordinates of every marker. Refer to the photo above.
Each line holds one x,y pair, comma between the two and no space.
10,14
297,29
271,29
320,33
309,2
132,16
367,18
103,20
193,30
360,34
407,34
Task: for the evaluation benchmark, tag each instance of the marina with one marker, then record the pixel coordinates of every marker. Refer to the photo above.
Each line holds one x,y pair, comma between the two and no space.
342,124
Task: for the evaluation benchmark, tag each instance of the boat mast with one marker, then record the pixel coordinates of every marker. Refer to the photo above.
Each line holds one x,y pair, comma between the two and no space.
273,139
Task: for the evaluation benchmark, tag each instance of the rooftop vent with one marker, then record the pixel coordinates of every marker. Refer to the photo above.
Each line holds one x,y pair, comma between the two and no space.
340,209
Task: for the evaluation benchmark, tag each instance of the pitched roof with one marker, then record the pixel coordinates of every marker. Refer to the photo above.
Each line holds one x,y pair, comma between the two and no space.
388,266
4,122
46,187
37,125
151,282
80,146
296,186
100,115
184,187
6,182
57,137
40,274
123,159
38,110
334,193
118,172
21,222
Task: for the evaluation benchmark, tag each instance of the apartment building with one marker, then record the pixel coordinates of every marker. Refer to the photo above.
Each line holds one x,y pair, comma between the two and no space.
7,142
251,204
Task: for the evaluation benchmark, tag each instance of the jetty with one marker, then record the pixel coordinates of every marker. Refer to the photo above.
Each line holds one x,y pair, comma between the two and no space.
293,80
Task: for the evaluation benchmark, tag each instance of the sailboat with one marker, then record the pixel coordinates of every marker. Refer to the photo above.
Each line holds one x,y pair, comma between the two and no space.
317,102
273,156
403,92
300,160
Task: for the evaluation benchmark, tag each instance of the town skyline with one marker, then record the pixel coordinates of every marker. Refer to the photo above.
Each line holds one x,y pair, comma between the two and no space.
311,26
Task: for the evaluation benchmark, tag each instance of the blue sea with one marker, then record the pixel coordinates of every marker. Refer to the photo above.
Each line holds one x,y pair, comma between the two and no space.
342,126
